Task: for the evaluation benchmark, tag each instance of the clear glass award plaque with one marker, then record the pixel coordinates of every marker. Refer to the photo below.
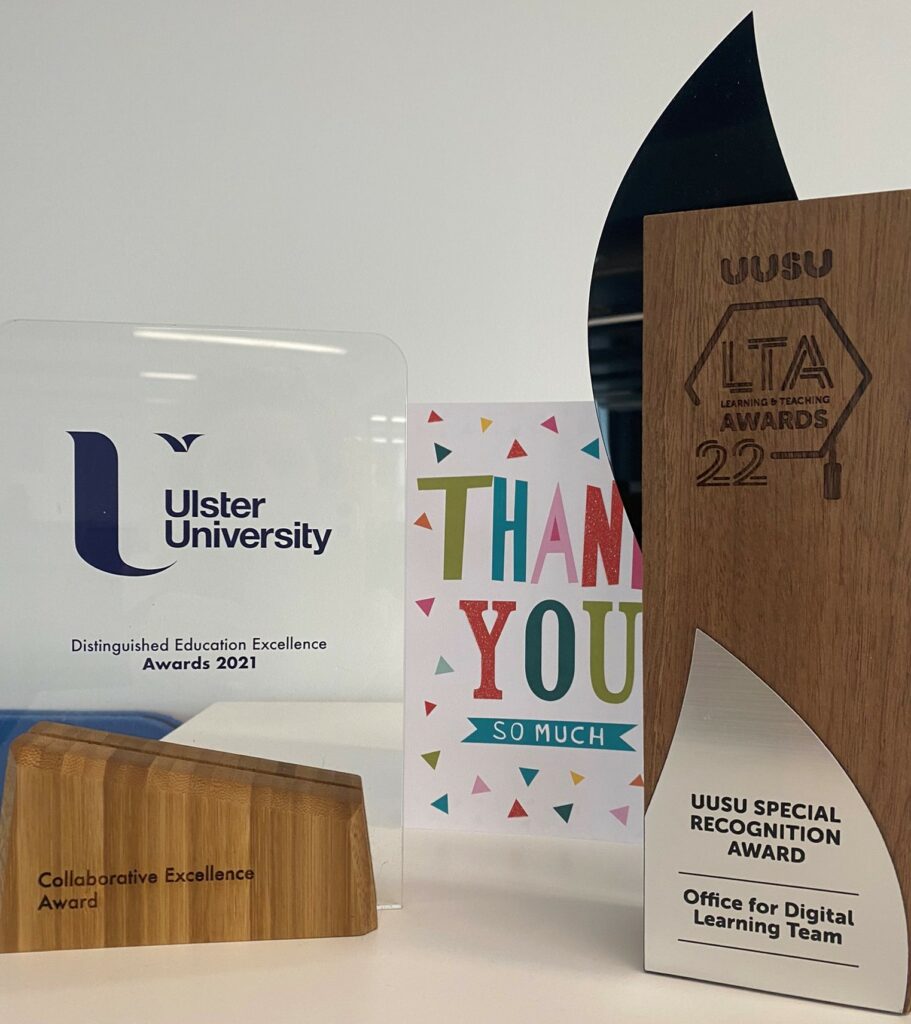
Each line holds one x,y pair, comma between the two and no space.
203,538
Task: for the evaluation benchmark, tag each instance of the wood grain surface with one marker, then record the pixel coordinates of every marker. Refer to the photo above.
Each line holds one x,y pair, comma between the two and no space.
108,840
786,541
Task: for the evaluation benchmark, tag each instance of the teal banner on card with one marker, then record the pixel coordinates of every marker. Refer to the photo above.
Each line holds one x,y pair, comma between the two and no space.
531,732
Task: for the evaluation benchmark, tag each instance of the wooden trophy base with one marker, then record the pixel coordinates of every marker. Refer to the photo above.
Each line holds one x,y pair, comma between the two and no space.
107,840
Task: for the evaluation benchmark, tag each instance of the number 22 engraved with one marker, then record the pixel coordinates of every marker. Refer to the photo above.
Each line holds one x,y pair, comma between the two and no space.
744,476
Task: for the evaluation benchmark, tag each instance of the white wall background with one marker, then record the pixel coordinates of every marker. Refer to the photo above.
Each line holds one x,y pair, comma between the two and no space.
435,170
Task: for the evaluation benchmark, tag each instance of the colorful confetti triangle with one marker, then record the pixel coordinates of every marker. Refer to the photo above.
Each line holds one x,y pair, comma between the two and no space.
434,417
517,810
441,803
425,604
431,758
638,781
577,778
443,667
444,453
593,448
429,706
529,774
480,786
621,814
422,520
486,424
564,810
551,424
516,451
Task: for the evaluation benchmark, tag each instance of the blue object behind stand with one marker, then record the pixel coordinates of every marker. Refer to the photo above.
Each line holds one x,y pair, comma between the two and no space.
145,725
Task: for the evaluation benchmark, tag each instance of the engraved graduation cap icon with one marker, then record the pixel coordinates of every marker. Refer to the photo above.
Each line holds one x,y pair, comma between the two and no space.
777,378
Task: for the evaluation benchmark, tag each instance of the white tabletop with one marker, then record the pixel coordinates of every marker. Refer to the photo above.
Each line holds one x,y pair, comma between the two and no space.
494,929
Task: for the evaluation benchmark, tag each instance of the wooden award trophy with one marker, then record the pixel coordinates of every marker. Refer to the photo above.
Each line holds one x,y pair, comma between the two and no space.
777,542
107,840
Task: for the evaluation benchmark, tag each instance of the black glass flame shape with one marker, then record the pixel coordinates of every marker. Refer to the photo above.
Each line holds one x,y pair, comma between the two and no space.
714,145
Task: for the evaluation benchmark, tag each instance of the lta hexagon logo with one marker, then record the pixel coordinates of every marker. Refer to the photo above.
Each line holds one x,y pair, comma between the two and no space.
777,379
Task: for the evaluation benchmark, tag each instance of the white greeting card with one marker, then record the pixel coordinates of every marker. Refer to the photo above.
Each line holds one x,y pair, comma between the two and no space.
523,626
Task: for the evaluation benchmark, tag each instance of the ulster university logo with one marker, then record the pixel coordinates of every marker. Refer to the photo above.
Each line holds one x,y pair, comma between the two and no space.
97,498
777,379
190,518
